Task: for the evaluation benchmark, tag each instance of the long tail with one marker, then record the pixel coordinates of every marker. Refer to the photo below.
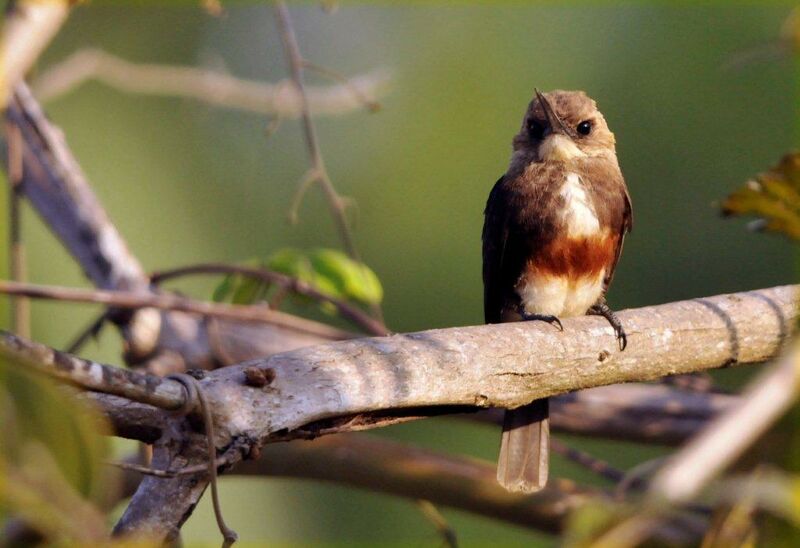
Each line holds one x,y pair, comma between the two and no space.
524,449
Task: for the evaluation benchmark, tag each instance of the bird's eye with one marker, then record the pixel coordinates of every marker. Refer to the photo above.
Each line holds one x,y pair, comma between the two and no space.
535,130
585,127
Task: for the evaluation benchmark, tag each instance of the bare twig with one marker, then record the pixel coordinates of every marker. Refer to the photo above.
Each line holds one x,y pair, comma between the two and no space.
91,331
20,307
295,62
590,462
725,438
371,104
136,300
216,88
443,528
188,471
195,392
347,310
27,30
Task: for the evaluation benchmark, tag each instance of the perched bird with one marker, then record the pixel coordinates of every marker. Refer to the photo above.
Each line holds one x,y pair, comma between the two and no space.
552,236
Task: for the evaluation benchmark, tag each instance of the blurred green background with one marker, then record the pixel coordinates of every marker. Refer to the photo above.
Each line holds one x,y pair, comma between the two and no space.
186,182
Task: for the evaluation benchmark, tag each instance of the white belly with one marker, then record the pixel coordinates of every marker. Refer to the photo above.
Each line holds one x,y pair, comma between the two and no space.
578,215
560,296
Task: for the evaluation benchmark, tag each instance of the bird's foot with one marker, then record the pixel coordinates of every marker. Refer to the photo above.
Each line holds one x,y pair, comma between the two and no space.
552,320
602,309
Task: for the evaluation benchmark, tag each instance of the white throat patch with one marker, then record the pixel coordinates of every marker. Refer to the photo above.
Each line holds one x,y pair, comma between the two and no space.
578,213
557,147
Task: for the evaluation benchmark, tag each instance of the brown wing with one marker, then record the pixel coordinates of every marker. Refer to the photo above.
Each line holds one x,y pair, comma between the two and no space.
495,237
625,224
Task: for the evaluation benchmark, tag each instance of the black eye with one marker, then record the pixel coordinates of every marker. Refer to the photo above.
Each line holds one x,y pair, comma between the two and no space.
585,127
535,130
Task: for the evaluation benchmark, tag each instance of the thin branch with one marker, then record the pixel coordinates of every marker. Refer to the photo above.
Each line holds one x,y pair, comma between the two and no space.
445,531
371,104
20,306
91,331
216,88
136,300
27,30
138,387
345,309
309,178
394,468
765,400
295,62
588,461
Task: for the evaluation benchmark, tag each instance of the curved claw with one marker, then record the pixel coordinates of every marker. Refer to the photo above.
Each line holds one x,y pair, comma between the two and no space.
602,309
622,338
552,320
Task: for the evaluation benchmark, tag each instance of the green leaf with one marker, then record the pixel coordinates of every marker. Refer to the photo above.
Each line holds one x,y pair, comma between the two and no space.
33,408
350,279
238,289
328,271
773,196
52,454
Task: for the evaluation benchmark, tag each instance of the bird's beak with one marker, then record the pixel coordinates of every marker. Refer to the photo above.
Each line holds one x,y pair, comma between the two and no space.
555,123
559,145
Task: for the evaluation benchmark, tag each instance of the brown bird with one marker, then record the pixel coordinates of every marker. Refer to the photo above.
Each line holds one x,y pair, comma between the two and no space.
552,236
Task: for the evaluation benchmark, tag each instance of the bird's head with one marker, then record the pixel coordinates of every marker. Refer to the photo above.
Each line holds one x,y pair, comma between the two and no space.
563,126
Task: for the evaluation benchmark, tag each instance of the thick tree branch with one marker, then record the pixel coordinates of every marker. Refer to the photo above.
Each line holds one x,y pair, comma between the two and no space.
27,29
505,366
57,188
484,366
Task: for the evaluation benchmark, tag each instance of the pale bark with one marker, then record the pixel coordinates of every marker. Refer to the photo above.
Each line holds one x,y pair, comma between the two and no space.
502,365
645,413
27,30
213,87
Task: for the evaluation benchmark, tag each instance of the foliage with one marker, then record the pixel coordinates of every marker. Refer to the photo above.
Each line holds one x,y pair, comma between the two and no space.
773,196
328,271
52,474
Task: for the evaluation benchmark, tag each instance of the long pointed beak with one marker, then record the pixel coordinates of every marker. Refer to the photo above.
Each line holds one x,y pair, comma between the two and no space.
556,125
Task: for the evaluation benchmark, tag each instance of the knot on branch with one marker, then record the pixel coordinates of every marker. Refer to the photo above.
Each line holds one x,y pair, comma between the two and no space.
258,377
